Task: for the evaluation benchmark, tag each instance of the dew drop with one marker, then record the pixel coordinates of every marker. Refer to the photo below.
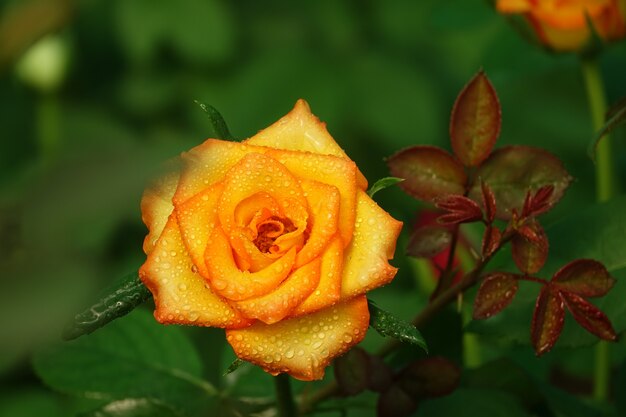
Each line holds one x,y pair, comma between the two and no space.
289,354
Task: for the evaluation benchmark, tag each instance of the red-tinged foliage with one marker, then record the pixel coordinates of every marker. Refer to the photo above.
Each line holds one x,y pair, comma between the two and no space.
495,293
460,209
428,241
547,320
351,371
430,377
475,121
427,219
489,202
539,202
512,171
395,402
429,172
584,277
491,240
530,250
380,376
589,316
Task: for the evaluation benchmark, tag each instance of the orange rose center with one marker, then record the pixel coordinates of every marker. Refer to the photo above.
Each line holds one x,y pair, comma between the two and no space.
271,229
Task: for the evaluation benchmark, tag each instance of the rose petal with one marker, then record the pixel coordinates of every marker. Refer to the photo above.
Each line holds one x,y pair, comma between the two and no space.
207,164
196,218
328,291
324,207
276,305
303,346
181,295
256,173
300,130
234,284
156,206
374,242
328,170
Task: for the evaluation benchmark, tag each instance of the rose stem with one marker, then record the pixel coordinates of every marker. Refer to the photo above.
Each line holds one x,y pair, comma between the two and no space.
427,313
284,397
605,189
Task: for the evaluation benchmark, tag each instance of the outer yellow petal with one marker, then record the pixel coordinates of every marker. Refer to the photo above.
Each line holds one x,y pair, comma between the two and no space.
197,217
300,130
180,294
276,305
234,284
374,242
328,291
156,207
303,346
207,164
330,170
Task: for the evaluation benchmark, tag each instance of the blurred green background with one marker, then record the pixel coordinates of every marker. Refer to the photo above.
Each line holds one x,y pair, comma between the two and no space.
87,117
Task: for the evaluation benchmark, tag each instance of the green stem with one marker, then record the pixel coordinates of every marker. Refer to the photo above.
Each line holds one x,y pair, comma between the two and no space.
605,188
605,172
284,397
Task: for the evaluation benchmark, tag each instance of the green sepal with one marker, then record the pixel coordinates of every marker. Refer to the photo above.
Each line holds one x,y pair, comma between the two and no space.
119,299
220,129
233,366
383,183
387,324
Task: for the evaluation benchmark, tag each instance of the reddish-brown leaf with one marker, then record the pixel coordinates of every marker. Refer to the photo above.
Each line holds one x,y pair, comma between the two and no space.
585,277
489,202
460,209
513,170
491,240
380,376
430,377
495,293
428,241
475,121
547,321
351,371
539,202
428,172
395,402
530,249
590,317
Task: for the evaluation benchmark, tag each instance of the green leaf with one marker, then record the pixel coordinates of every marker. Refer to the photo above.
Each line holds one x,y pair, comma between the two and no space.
383,183
134,407
220,129
233,366
389,325
132,358
120,299
616,116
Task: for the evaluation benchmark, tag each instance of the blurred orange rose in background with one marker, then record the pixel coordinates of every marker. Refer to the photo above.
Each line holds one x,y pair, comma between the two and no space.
563,25
273,239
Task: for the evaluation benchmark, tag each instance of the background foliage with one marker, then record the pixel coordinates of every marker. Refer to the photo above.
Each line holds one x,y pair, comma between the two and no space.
382,75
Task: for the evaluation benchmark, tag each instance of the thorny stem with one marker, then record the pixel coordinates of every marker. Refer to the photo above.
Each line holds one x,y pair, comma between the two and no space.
284,397
605,189
436,304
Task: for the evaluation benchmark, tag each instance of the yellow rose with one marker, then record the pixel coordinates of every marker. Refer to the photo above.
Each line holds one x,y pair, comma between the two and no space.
273,239
562,24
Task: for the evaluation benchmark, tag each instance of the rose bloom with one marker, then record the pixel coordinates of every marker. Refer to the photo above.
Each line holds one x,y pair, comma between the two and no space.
562,24
273,239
